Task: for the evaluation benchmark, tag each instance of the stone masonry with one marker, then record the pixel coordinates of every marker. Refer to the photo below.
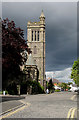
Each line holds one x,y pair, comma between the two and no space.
36,41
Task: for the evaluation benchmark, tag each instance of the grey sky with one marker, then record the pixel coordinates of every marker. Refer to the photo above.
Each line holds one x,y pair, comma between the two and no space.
61,28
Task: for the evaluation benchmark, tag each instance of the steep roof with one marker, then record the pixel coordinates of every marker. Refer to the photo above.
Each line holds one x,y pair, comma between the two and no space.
30,60
56,81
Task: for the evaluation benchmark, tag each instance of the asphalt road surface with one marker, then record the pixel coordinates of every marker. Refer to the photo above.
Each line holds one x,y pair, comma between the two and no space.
55,105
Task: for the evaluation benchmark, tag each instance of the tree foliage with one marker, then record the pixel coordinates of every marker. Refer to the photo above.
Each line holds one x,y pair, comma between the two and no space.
13,44
51,86
64,86
75,72
36,87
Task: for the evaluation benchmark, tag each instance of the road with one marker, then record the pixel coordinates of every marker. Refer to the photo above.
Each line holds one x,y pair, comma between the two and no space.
55,105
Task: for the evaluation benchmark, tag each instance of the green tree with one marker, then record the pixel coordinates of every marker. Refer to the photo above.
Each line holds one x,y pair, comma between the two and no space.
75,72
64,86
50,86
69,83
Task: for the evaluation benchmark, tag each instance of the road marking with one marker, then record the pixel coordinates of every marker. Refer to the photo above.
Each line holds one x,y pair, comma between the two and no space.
69,113
73,112
24,102
12,109
13,112
72,98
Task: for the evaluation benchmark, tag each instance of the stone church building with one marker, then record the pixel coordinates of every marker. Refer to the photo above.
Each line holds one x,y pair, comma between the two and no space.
36,41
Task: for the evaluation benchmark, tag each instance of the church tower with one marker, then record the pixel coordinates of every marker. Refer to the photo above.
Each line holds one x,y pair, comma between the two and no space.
36,41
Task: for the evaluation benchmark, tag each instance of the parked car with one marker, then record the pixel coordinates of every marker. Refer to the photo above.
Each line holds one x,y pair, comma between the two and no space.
77,90
62,89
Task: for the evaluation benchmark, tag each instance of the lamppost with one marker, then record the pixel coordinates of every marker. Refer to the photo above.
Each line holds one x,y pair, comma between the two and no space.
53,76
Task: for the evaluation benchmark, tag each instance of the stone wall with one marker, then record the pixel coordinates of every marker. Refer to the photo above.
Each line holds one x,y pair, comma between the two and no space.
37,46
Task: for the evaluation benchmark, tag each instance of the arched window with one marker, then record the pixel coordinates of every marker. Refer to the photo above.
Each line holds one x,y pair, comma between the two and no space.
32,35
35,50
35,35
38,35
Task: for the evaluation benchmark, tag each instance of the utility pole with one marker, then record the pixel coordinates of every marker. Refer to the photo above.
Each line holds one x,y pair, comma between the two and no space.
53,76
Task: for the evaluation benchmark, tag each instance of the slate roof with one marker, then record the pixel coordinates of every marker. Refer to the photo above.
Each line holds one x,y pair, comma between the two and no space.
56,81
30,60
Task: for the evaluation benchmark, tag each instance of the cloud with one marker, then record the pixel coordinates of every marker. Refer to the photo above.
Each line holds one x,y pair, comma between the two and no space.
62,76
61,28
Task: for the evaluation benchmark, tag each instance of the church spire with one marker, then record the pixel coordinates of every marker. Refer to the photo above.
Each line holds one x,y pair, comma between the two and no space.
42,15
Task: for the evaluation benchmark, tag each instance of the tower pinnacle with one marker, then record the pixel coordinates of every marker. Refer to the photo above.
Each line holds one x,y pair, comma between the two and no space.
42,15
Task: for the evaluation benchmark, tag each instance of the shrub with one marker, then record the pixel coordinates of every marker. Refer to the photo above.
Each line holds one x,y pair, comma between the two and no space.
36,87
23,89
57,90
6,92
12,89
40,89
1,92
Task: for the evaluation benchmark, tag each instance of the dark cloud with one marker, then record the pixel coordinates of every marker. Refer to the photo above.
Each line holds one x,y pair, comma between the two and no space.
61,29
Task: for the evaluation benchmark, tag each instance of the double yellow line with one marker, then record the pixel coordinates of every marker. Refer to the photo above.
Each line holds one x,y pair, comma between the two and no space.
71,113
15,111
73,97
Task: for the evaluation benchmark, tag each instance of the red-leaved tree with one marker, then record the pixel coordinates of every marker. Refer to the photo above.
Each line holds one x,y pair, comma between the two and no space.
13,44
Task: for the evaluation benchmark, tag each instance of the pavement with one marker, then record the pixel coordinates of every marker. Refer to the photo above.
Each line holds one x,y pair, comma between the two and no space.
9,103
55,105
4,98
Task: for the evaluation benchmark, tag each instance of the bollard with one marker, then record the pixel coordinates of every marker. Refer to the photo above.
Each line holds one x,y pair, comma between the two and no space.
3,92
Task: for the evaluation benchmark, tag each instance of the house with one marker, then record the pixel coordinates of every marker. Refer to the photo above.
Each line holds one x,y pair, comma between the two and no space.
56,82
74,87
